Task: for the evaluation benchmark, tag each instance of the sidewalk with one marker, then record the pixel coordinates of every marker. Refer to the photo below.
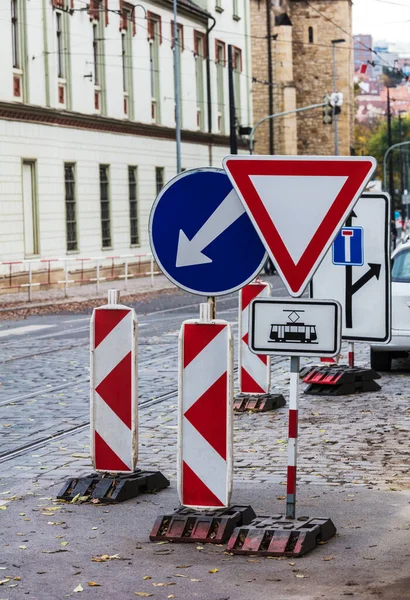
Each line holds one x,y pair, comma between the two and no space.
85,295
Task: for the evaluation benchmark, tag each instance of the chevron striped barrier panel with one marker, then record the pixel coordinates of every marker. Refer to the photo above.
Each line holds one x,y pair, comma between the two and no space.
114,425
205,446
254,369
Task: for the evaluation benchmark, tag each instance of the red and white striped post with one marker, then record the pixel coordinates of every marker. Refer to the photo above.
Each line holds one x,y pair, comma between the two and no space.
113,381
350,354
254,369
292,437
205,412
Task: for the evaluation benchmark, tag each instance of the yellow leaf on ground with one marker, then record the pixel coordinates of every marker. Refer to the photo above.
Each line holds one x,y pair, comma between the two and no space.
195,580
93,584
280,497
79,588
3,507
328,557
213,570
147,577
74,500
164,584
299,575
17,578
171,596
64,543
23,547
2,581
142,594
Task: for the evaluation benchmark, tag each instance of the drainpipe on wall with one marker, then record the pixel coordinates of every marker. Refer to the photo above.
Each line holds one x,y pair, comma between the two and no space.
270,74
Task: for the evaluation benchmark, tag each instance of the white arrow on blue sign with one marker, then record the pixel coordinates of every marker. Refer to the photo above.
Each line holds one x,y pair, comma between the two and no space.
201,236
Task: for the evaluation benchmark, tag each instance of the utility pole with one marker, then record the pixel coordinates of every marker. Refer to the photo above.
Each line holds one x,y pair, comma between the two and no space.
177,76
270,74
389,144
335,115
232,116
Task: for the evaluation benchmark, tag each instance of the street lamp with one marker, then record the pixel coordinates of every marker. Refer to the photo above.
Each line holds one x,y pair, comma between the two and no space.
335,116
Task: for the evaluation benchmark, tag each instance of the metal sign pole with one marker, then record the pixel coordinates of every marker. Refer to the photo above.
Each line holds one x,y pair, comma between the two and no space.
292,437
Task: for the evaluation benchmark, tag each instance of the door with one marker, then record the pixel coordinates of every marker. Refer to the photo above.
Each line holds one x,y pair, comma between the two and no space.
30,209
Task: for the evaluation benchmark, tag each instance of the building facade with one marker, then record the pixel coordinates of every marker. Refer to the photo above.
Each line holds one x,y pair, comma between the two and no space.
87,115
301,74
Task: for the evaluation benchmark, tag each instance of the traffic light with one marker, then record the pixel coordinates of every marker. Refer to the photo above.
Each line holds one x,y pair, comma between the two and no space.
336,101
327,111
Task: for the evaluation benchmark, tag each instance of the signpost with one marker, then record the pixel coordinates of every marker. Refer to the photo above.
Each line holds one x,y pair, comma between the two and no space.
359,277
201,236
297,205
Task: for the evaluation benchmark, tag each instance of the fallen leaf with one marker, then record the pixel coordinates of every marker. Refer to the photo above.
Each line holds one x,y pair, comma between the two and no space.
183,566
53,551
213,570
280,497
171,596
328,557
142,594
369,557
94,584
2,507
23,547
299,575
180,575
74,500
64,543
94,528
199,547
17,578
147,577
292,564
79,588
2,581
195,580
164,584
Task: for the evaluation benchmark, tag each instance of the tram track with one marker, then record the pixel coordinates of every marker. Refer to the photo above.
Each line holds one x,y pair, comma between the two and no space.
21,450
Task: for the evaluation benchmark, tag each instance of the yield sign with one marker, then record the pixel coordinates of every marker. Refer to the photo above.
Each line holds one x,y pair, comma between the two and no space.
297,205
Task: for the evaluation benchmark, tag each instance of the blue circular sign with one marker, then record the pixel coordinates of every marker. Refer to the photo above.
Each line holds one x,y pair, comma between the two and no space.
201,236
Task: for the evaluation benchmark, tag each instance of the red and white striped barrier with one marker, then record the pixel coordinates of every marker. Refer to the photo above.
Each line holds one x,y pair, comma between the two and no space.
254,369
114,444
292,436
205,412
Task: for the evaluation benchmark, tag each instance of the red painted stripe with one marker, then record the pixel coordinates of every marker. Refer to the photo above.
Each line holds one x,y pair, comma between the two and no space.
105,321
105,458
262,357
115,390
241,170
249,385
249,292
208,415
293,423
196,337
291,482
194,491
246,338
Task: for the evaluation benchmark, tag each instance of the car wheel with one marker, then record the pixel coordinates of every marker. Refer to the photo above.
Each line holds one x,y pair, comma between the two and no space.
380,361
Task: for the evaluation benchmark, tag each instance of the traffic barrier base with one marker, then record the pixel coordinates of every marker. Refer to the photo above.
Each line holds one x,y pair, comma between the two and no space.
279,536
113,487
210,527
339,380
258,402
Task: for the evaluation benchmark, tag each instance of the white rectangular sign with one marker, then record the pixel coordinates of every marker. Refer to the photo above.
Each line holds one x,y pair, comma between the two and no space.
295,327
356,271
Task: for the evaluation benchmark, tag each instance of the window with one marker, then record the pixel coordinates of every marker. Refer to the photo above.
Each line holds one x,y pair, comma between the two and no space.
97,8
310,35
200,54
105,206
62,56
70,207
218,6
401,267
127,74
159,179
60,44
99,72
19,58
155,39
235,9
237,70
178,56
30,210
133,199
220,55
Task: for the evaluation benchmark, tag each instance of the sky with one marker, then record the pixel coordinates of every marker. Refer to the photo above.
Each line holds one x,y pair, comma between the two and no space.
384,19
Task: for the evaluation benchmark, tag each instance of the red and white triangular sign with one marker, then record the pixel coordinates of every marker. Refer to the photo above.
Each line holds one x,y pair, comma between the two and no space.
298,204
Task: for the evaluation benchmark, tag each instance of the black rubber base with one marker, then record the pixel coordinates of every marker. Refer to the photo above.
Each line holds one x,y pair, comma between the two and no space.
278,536
210,527
258,402
339,380
113,488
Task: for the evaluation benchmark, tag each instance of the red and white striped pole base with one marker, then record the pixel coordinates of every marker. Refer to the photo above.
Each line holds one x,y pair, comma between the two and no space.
205,413
114,442
254,369
292,437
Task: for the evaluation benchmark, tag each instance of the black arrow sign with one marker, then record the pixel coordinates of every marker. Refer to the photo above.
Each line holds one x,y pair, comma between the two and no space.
352,288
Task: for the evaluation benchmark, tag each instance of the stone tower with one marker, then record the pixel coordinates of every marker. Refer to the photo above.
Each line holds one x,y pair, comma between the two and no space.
301,73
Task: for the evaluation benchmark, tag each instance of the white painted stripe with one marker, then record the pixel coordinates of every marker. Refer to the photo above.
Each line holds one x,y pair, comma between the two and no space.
113,431
77,320
24,330
293,391
292,447
206,463
205,369
255,367
112,349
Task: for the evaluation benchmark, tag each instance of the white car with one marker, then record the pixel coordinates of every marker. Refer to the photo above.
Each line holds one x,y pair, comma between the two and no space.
399,346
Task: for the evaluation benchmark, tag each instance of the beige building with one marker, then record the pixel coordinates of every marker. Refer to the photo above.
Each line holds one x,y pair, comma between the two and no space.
300,73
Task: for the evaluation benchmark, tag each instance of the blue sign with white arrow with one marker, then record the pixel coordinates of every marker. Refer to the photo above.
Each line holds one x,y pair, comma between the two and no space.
201,236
